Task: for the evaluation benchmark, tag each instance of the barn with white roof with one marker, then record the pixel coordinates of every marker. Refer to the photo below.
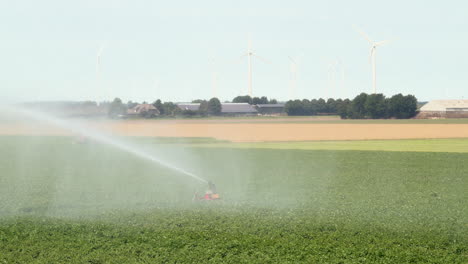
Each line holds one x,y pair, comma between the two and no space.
444,109
228,109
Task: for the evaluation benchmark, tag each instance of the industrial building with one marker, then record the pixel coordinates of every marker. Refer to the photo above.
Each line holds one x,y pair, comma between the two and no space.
444,109
227,109
271,109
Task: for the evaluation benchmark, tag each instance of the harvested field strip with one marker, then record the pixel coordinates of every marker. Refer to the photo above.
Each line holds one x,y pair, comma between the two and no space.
418,145
292,132
244,132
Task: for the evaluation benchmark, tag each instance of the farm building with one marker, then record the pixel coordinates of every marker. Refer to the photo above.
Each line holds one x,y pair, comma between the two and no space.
270,109
146,110
233,109
189,107
230,109
444,109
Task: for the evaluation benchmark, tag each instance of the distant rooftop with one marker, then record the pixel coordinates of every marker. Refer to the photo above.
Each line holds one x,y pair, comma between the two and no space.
228,108
270,105
445,105
244,108
143,108
189,106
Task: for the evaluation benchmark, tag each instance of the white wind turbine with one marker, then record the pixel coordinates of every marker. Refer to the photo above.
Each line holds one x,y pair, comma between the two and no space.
98,65
98,62
249,55
373,50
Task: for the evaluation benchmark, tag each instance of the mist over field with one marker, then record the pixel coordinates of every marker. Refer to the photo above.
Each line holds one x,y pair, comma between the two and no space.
275,197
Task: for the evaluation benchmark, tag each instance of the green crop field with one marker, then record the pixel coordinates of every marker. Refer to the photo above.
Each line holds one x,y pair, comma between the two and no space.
63,202
419,145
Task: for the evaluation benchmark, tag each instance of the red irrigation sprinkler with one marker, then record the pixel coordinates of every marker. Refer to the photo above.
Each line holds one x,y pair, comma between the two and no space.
210,194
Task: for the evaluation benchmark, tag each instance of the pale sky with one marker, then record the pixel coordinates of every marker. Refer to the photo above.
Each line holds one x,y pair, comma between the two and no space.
164,49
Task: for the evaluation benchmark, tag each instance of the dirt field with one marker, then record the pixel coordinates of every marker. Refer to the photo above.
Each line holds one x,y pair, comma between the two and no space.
252,132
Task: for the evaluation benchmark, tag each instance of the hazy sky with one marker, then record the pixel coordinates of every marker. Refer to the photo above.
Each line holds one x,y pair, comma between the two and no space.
165,49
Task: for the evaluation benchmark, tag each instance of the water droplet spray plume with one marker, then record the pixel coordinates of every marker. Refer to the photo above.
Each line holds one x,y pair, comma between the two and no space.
100,137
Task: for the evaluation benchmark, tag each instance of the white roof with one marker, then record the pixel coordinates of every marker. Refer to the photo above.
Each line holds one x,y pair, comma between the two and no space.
191,106
238,108
225,107
442,105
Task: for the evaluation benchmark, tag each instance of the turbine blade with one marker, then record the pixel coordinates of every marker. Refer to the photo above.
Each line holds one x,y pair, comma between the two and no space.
372,49
100,51
332,66
236,61
363,34
380,43
260,58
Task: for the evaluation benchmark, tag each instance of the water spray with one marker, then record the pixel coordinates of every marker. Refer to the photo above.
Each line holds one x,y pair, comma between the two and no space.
103,138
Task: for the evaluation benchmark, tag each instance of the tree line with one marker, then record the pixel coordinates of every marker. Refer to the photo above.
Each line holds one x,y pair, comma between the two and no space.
363,106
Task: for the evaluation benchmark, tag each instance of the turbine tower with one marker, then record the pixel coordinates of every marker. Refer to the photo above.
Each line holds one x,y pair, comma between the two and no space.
98,62
249,55
373,51
98,69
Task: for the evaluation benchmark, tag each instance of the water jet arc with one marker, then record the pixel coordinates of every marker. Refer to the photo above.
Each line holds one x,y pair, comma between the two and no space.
100,137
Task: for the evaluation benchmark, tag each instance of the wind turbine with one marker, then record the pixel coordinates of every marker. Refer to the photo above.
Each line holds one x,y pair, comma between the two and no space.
293,69
249,55
98,62
98,66
373,50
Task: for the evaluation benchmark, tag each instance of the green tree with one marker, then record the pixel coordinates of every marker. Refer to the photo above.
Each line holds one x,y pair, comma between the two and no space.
158,104
260,100
331,106
203,109
314,106
214,106
402,106
170,109
375,106
242,99
343,108
294,108
358,109
306,107
321,106
411,105
256,100
116,108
